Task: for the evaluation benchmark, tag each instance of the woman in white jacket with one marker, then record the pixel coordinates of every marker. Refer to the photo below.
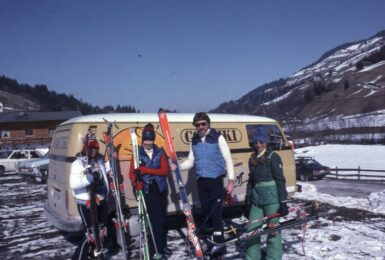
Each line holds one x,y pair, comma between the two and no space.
89,169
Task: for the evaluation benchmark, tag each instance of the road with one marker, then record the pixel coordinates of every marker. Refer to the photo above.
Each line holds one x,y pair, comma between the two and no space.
345,188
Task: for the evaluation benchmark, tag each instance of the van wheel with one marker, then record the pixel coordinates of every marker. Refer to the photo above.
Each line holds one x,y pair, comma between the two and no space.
2,170
303,177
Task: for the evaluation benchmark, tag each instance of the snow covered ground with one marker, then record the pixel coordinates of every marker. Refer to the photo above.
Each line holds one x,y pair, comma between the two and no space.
356,240
355,231
354,234
347,156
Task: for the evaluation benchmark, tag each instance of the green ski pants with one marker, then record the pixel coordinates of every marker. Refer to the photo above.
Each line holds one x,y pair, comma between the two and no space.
274,241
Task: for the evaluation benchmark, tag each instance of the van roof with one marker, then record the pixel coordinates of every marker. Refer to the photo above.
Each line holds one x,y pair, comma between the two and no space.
172,117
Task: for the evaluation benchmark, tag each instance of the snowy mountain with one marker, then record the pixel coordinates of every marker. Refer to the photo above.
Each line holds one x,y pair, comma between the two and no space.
12,102
346,82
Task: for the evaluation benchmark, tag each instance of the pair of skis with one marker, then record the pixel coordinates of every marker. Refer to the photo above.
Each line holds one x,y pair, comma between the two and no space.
191,228
117,189
98,250
308,208
144,219
264,230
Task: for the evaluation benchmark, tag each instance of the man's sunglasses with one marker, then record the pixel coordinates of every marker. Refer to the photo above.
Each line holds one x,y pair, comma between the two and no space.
200,124
259,142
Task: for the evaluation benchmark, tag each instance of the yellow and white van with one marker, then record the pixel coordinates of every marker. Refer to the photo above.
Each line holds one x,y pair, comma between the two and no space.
237,129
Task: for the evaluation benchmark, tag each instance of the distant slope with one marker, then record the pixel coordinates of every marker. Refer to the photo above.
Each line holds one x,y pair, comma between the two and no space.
13,102
15,96
347,80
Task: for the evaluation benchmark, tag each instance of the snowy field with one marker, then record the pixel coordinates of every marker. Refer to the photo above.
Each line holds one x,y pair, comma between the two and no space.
355,231
347,156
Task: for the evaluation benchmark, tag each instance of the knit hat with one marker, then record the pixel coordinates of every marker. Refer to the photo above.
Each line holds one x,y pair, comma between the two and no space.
148,132
90,141
260,135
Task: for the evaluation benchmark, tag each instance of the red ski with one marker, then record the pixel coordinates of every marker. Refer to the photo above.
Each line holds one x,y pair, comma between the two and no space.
191,228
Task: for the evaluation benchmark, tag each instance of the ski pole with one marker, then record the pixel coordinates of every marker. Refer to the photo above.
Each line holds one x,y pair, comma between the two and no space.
313,205
143,230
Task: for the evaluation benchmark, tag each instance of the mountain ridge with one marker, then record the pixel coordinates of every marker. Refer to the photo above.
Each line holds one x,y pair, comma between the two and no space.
339,74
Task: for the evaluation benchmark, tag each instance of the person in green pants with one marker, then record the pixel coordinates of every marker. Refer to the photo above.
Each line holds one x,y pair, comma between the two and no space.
266,194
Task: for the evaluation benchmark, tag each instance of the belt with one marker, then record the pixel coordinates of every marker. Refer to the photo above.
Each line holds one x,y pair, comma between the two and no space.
265,183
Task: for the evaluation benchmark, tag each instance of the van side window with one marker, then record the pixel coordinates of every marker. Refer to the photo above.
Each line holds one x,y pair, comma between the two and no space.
277,141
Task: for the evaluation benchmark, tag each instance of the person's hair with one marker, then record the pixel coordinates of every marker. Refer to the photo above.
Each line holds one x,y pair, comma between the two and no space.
201,116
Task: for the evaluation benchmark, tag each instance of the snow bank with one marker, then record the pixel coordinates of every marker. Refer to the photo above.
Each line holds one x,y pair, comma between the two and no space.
374,203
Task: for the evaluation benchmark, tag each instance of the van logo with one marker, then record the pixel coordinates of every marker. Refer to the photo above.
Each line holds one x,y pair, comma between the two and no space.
232,135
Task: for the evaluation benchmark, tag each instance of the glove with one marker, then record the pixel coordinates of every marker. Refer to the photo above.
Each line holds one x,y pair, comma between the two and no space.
94,177
90,177
246,208
142,163
137,184
138,175
135,187
248,202
97,176
283,209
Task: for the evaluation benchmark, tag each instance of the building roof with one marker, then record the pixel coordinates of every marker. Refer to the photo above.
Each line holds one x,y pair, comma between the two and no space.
172,117
28,116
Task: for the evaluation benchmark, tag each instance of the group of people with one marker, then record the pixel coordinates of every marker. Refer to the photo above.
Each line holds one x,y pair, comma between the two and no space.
210,156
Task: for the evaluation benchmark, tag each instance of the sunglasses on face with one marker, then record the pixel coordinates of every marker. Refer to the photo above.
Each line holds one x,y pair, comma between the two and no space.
259,142
200,124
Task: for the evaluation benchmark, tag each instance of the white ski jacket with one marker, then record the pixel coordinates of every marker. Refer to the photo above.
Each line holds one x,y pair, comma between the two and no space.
80,179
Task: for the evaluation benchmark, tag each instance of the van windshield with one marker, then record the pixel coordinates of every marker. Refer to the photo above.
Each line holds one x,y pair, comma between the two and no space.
276,139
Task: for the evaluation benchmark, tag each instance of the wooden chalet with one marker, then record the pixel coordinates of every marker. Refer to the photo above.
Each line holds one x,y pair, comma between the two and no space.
31,128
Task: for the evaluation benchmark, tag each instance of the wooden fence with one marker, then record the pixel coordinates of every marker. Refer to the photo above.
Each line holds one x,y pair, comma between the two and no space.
356,173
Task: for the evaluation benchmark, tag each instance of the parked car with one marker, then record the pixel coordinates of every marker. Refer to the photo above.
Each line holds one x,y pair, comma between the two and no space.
42,175
10,158
309,169
35,168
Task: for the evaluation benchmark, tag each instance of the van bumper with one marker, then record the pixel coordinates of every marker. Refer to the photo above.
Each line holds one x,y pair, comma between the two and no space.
63,224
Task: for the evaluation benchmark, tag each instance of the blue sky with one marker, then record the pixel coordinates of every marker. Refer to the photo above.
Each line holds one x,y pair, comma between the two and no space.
188,55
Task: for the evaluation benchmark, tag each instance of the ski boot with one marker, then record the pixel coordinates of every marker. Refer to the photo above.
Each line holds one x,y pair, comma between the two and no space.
217,251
